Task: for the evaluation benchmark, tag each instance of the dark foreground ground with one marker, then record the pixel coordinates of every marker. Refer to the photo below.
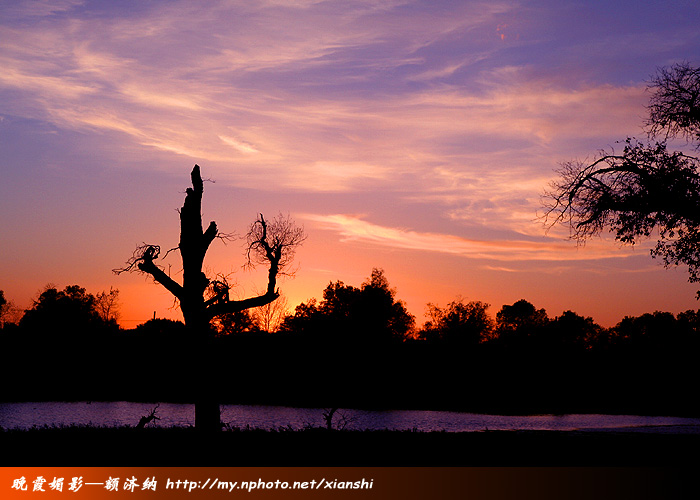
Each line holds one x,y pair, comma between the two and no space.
90,446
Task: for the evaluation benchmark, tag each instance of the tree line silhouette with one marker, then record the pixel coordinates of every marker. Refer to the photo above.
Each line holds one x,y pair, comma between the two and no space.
360,347
368,315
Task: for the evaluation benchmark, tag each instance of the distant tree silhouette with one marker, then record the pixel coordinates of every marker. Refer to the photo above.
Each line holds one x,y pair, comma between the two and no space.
70,312
519,323
3,308
160,328
650,331
268,318
645,187
369,314
339,302
572,332
378,311
304,321
107,305
459,323
202,299
10,314
234,323
690,319
689,325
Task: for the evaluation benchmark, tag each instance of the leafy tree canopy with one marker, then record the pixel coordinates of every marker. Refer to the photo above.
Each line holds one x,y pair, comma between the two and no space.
572,331
370,313
71,311
161,328
459,322
646,188
518,322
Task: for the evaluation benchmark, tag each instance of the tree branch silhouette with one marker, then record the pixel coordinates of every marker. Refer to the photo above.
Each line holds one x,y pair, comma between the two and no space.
646,188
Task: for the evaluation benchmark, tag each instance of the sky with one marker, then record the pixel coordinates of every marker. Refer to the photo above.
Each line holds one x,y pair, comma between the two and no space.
414,136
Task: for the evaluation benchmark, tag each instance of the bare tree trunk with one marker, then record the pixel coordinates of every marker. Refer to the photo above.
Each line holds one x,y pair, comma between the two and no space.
194,243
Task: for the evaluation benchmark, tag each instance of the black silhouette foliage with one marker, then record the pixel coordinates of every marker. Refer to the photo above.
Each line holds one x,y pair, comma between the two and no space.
331,356
519,323
644,190
66,313
9,313
459,322
674,107
370,314
571,332
3,306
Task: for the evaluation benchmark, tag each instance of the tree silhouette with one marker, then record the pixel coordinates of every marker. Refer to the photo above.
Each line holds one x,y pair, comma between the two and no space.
519,322
3,307
234,323
380,314
571,332
68,313
459,322
9,313
201,299
268,318
645,187
650,331
674,107
350,315
107,305
160,328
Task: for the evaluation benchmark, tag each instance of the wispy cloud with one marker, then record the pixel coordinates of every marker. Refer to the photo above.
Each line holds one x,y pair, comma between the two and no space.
329,97
269,77
241,146
353,228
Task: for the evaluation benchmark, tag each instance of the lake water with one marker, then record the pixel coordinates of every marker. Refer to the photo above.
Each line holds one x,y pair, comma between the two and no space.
28,415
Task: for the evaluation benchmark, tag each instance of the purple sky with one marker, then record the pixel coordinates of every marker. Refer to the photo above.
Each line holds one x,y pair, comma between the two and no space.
415,136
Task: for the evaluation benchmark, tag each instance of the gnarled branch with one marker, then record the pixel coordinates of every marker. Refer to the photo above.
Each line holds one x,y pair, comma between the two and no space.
143,260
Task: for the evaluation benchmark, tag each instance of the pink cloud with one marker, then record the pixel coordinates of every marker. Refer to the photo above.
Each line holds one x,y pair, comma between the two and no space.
353,228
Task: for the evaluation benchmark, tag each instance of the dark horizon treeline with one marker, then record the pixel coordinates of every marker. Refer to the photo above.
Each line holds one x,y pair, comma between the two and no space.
368,314
359,347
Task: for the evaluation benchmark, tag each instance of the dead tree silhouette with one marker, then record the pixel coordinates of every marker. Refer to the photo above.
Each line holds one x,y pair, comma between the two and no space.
202,299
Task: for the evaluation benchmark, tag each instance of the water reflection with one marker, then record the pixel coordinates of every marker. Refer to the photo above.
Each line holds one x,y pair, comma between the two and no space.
27,415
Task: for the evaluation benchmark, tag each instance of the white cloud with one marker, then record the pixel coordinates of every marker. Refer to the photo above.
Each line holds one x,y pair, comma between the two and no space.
240,146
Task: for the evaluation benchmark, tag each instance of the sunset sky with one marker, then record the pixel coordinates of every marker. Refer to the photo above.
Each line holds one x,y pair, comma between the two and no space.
414,136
